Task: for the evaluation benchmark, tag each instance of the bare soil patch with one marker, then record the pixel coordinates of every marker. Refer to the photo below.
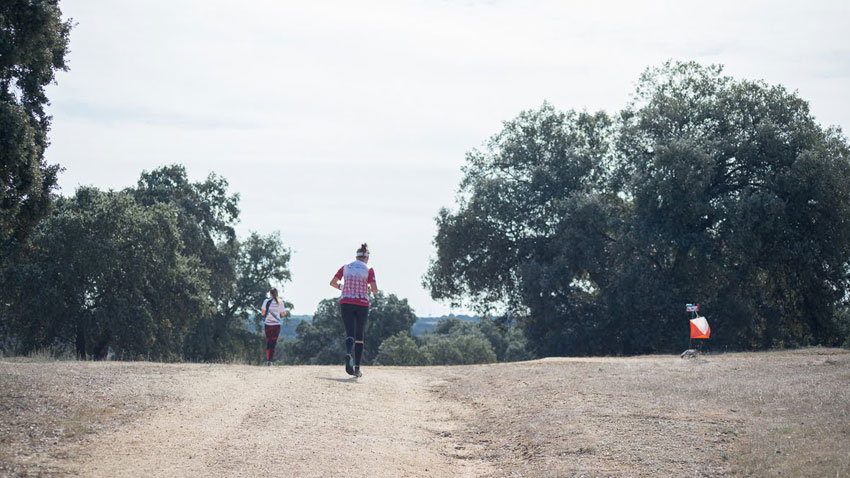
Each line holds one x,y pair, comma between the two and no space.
762,414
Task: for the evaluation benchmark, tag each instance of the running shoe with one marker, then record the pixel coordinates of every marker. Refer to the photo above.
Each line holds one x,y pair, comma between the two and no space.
349,364
357,372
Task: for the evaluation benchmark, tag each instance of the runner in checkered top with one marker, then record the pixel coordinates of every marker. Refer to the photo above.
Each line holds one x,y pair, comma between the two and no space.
357,281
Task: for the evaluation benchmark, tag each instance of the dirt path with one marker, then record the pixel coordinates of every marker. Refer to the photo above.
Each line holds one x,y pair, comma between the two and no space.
289,421
762,414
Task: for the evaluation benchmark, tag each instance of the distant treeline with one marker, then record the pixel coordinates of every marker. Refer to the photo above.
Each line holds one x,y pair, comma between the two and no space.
390,339
428,324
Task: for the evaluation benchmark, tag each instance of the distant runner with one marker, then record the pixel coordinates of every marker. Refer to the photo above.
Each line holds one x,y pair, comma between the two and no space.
357,281
272,311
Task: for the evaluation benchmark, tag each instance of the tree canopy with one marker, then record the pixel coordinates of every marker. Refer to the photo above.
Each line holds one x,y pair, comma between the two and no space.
104,272
33,45
595,230
154,271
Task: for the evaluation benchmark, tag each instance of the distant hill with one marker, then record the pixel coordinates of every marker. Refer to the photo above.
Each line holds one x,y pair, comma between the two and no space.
287,330
427,324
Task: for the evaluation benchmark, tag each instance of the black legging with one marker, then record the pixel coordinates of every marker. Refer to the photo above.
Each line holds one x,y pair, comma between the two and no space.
354,317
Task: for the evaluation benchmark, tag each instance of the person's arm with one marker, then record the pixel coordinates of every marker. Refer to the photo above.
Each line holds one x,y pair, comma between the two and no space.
335,281
373,285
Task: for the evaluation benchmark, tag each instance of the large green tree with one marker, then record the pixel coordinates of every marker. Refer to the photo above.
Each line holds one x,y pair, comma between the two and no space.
540,184
33,45
104,272
594,231
740,199
257,261
239,272
153,271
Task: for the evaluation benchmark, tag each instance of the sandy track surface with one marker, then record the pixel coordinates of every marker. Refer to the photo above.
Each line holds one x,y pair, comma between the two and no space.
760,414
288,421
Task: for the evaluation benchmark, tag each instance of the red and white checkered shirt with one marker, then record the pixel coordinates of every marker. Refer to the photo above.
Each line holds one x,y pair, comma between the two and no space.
356,279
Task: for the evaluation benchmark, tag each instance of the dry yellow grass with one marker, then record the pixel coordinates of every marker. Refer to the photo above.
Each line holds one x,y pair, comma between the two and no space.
750,414
783,413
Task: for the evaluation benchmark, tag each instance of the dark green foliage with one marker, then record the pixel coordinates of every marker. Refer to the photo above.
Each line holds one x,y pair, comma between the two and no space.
103,272
842,321
400,349
457,342
510,199
742,199
388,340
33,44
540,184
595,232
388,316
238,272
508,341
459,349
256,261
154,271
320,341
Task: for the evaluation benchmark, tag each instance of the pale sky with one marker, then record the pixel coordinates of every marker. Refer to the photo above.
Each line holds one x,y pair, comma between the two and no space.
341,122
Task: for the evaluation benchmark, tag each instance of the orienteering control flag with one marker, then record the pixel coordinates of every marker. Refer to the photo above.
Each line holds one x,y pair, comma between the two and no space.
700,328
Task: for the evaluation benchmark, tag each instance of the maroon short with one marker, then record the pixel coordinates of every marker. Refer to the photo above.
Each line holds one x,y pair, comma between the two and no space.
272,331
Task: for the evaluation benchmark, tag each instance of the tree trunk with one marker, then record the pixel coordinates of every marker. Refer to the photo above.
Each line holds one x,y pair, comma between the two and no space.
80,342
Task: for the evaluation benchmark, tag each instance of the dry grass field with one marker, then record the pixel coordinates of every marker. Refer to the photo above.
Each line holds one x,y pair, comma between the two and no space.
783,413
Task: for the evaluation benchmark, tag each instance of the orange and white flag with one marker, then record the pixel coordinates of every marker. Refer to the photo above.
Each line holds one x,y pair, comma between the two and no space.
700,328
